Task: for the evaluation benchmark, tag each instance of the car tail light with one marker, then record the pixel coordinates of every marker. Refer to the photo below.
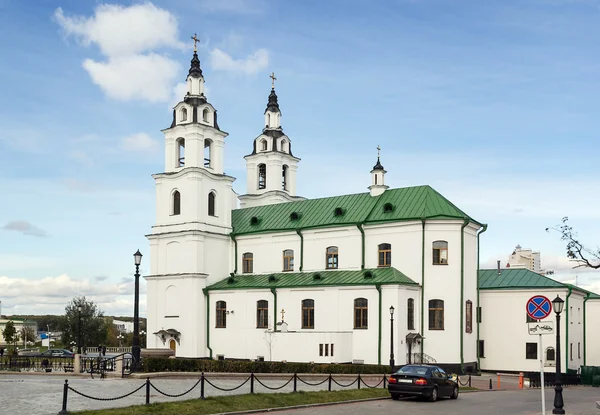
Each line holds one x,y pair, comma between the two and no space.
421,381
392,380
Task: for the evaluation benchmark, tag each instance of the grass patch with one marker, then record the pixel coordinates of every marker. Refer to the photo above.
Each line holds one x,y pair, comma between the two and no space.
468,389
234,403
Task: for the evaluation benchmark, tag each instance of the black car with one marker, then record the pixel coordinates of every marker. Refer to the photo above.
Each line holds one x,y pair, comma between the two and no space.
423,381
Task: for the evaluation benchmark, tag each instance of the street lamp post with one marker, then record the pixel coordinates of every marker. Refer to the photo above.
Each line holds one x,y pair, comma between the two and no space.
135,349
142,334
120,338
557,305
79,329
392,339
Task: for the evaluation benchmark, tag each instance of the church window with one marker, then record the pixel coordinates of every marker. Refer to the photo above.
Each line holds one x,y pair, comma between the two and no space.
211,204
268,120
531,350
331,257
180,152
262,314
288,260
385,255
550,355
308,314
284,170
207,153
440,253
247,263
410,314
205,115
183,114
469,316
262,176
284,146
361,320
263,145
436,314
176,203
221,314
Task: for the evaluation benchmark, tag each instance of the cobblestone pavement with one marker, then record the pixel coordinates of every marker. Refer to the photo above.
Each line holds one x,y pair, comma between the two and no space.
42,394
579,400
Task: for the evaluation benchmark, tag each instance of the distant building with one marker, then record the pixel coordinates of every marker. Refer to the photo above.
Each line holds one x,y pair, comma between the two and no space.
123,326
19,324
525,259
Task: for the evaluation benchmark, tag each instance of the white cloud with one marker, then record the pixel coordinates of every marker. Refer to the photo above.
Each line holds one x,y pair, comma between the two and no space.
252,64
24,227
140,142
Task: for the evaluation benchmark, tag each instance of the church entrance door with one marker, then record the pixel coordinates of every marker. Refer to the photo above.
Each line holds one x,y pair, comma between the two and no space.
173,345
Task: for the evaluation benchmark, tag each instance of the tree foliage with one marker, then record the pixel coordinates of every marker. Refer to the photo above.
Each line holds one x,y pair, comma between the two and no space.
576,250
10,333
90,320
27,334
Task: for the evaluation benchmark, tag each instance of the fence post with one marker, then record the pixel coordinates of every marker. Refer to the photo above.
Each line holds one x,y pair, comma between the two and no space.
490,383
147,391
359,381
384,381
65,396
295,379
498,381
202,386
252,382
329,388
469,381
521,380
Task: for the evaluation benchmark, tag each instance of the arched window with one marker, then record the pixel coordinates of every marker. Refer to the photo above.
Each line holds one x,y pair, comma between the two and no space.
268,120
361,319
410,314
248,263
440,253
469,316
284,146
176,203
550,355
207,153
263,145
284,170
262,176
436,314
180,152
288,260
308,314
221,314
331,257
262,314
183,114
211,204
205,115
385,255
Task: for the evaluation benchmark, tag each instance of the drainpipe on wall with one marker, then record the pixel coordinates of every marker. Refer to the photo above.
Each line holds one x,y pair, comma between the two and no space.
587,297
423,286
567,324
482,230
274,291
205,291
235,260
462,293
378,287
299,232
362,232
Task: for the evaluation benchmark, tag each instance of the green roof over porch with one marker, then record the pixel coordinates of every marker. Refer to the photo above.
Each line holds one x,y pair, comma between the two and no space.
330,278
489,279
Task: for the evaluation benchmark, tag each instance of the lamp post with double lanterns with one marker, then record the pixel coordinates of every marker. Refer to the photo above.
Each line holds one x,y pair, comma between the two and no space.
135,349
392,339
558,304
79,329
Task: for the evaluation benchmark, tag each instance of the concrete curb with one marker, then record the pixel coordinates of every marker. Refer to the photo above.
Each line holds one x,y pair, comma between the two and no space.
291,408
598,404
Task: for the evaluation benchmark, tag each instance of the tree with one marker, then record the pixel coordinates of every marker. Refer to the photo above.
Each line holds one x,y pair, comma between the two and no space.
576,250
27,334
10,332
91,318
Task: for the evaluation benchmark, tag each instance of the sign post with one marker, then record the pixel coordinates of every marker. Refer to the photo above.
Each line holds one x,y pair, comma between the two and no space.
538,308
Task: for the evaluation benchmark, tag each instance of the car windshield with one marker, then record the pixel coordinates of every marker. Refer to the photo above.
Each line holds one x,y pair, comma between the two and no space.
413,370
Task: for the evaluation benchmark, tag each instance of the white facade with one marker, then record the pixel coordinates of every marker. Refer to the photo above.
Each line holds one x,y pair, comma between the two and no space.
592,328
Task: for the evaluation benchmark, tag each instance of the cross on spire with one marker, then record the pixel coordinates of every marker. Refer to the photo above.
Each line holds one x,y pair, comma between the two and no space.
378,151
196,40
273,79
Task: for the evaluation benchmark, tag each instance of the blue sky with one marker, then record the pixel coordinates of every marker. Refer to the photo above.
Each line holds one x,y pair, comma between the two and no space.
492,103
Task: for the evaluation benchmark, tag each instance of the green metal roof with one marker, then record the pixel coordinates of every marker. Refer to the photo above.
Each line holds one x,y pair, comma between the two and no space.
594,296
515,279
410,203
329,278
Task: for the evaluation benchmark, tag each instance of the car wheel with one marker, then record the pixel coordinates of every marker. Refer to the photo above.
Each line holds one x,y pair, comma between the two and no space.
434,395
454,393
395,396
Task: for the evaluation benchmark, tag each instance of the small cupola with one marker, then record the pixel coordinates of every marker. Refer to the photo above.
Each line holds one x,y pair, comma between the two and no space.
272,112
378,177
195,79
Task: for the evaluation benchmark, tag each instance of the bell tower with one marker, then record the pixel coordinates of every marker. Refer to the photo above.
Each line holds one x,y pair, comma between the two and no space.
271,167
194,200
378,178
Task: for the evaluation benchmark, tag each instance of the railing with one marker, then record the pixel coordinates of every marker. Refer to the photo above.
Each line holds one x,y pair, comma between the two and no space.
419,358
567,379
100,365
96,350
252,380
36,364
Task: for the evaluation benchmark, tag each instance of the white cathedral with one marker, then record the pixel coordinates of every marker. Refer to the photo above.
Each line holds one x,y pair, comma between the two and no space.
284,278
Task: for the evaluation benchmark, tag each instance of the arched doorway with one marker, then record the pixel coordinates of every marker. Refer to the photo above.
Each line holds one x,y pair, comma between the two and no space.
173,345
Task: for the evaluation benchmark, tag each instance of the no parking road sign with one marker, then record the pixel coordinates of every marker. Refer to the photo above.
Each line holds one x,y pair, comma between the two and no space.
539,307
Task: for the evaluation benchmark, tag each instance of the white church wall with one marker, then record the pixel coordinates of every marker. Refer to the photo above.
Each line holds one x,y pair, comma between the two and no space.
593,332
470,293
347,239
574,344
268,251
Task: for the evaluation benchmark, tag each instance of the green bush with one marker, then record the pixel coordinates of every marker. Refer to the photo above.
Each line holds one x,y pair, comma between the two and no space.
162,364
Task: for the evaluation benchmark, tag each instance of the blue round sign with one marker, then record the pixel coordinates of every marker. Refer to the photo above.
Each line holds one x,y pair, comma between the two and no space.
539,307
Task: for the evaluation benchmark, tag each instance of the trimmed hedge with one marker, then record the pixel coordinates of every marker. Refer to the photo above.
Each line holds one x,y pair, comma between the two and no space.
162,364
